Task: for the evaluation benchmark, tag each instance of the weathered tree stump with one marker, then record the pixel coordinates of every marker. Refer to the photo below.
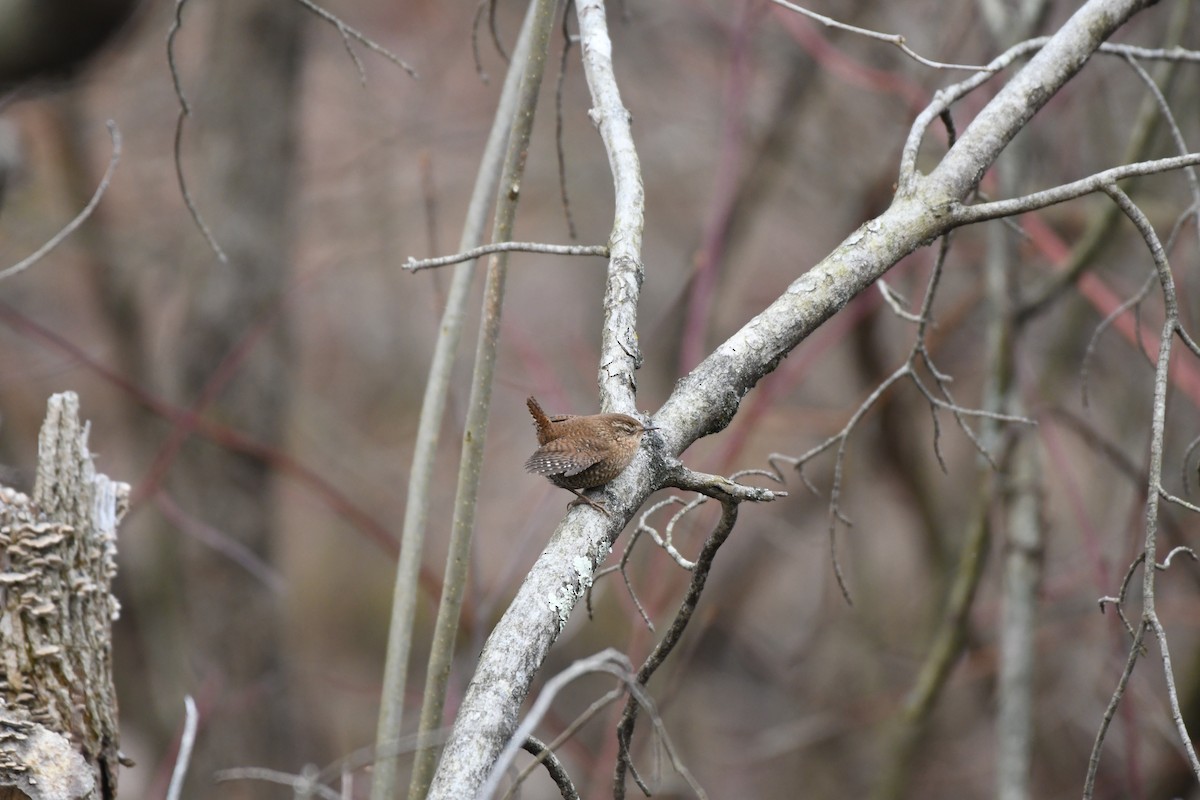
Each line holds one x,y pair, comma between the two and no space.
58,707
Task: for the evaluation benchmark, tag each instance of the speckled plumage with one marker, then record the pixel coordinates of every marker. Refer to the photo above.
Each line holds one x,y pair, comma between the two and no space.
582,452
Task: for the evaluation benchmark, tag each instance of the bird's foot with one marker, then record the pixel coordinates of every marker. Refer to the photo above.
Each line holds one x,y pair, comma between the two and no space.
582,499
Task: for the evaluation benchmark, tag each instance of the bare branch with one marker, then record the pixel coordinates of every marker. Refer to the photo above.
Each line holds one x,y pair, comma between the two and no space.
1166,564
890,38
426,772
966,215
588,714
729,512
491,8
1179,501
81,217
1177,54
705,400
479,70
611,661
186,741
437,387
622,565
895,302
717,487
348,34
1165,108
185,110
415,265
727,490
1173,695
619,351
1155,492
940,106
666,540
1089,782
1089,351
305,784
568,40
558,773
1118,602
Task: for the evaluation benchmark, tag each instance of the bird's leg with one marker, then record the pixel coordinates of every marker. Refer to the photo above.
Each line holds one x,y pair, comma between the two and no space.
582,499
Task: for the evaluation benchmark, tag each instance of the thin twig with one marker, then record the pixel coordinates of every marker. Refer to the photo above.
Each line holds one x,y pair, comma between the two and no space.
718,487
729,513
1155,491
895,302
1169,117
981,212
611,661
415,265
185,110
496,31
479,402
890,38
554,768
1118,602
1179,501
348,33
944,98
186,741
1089,781
726,490
568,40
1100,228
588,714
1172,694
479,70
1166,564
623,564
81,217
1089,351
306,784
433,404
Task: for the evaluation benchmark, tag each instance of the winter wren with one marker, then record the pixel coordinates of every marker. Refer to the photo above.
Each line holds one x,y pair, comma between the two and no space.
582,452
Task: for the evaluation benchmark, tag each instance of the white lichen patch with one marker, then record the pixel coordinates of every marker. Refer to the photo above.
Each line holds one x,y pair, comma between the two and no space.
583,568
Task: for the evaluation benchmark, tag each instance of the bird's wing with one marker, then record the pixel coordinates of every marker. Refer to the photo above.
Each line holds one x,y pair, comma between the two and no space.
565,458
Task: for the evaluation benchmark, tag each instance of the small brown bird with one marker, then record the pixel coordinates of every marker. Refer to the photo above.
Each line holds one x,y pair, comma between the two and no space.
582,452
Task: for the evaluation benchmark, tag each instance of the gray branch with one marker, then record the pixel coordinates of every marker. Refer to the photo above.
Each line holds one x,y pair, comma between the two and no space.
705,400
416,265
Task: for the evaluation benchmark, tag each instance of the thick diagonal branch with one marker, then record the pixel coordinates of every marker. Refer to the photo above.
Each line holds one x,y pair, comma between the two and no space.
706,399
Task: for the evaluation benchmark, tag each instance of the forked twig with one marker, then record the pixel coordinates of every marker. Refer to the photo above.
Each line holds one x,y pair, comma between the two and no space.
588,714
350,35
614,663
1155,493
890,38
918,357
705,486
729,512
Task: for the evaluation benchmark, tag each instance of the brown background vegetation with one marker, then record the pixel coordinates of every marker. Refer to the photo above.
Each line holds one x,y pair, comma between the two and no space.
781,689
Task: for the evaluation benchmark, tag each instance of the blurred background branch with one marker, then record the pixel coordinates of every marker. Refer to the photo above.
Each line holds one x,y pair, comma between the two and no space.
271,407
